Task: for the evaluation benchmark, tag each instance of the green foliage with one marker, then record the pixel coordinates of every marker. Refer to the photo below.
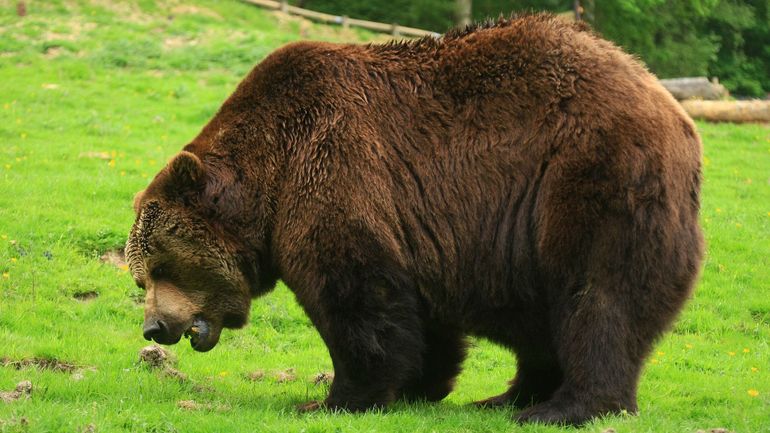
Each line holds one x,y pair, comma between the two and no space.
729,39
432,15
661,33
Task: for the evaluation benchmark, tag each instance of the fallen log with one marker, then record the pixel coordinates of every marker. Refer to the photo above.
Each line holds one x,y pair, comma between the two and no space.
694,87
728,111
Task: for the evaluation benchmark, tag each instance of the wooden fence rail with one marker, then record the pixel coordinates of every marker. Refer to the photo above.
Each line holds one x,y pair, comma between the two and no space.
344,21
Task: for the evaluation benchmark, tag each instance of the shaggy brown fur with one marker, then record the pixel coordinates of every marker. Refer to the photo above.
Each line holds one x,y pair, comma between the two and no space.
523,181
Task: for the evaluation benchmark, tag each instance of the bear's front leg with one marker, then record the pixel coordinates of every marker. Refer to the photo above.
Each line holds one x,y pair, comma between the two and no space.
374,335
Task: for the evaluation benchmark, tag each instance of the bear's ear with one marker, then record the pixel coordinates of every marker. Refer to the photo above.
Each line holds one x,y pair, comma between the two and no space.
138,201
185,172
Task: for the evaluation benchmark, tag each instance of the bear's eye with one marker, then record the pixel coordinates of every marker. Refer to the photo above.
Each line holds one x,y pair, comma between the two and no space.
159,272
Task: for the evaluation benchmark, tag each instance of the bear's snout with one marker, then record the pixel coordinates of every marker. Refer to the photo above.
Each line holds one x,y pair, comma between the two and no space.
159,330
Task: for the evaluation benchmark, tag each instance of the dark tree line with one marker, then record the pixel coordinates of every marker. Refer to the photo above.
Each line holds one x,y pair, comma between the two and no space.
729,39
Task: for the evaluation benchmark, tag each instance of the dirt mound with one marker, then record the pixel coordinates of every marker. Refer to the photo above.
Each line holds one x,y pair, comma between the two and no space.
52,364
115,258
23,389
158,358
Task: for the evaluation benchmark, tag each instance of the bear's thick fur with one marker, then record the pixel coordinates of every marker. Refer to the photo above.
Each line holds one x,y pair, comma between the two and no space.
523,181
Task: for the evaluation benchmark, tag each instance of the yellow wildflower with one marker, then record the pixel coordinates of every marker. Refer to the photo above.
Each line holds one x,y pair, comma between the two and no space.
661,353
753,393
654,361
13,259
6,275
731,353
754,369
112,163
746,350
224,373
688,345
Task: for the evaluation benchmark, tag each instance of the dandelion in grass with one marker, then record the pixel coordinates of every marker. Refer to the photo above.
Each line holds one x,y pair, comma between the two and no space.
13,259
719,210
111,163
223,374
6,275
754,369
661,353
738,225
7,166
654,361
746,350
753,393
731,353
688,345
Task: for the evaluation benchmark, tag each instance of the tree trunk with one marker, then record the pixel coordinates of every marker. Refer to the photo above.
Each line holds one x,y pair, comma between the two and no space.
694,87
728,111
463,12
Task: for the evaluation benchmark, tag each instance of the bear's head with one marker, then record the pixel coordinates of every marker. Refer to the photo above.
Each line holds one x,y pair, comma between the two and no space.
193,271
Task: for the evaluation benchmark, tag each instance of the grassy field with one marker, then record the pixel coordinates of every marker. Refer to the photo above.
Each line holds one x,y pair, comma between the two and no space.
97,96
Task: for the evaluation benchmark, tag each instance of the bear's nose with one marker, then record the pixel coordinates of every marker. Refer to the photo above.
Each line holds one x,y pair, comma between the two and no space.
155,329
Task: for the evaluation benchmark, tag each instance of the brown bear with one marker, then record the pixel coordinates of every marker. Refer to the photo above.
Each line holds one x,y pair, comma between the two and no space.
522,181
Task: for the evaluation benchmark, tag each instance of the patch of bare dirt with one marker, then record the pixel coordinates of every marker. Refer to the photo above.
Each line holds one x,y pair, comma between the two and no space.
97,155
175,42
194,405
86,295
52,364
115,258
53,52
23,390
21,423
255,376
195,10
323,378
285,376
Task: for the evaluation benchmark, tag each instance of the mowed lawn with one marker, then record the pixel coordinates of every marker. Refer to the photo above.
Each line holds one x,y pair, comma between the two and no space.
96,96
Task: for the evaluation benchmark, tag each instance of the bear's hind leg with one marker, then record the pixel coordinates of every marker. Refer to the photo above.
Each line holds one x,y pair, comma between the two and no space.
601,355
535,382
444,353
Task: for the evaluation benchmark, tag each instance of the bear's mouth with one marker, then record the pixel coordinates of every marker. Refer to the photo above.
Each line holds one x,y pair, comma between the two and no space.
200,334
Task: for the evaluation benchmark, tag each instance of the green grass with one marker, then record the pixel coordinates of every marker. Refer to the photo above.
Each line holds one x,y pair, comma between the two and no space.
95,97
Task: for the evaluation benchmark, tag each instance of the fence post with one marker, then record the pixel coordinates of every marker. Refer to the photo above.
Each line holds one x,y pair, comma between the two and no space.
345,23
285,6
394,29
